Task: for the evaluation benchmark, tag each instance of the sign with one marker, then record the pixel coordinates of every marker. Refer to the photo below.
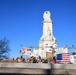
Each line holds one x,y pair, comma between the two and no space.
73,59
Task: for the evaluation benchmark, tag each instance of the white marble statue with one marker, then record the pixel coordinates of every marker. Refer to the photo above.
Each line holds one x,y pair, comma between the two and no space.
48,40
46,16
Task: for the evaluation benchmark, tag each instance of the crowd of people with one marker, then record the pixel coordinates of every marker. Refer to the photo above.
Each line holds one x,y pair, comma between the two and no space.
33,59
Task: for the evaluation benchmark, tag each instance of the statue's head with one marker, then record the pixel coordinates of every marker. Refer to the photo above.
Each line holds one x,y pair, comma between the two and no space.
46,16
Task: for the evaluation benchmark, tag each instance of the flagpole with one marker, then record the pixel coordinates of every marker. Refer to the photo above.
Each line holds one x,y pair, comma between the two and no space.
21,49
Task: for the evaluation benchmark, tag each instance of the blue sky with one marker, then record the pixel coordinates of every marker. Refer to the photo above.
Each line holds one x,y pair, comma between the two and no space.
21,22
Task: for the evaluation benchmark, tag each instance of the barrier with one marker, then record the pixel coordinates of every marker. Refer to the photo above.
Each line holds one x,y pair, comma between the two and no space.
37,68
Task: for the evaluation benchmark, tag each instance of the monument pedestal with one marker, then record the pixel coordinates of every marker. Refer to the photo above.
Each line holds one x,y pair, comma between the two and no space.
49,55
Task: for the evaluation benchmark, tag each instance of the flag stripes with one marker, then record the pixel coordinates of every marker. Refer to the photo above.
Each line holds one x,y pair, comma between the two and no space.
63,58
25,51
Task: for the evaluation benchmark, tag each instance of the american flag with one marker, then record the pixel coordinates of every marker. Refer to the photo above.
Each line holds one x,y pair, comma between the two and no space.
27,51
24,48
65,46
73,46
63,58
20,52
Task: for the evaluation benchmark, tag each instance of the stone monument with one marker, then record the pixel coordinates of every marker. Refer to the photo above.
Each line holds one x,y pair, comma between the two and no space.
47,43
47,38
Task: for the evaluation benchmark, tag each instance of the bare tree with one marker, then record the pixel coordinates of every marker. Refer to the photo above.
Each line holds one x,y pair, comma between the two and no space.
4,48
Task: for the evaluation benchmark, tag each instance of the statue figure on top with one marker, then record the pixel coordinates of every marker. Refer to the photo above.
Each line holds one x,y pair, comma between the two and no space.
46,16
